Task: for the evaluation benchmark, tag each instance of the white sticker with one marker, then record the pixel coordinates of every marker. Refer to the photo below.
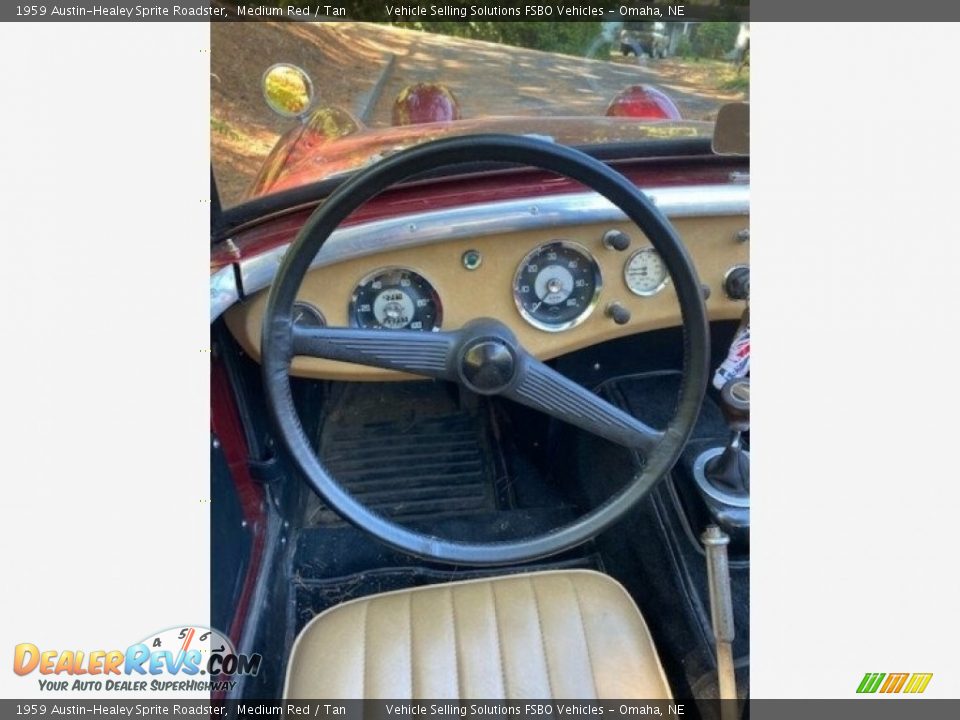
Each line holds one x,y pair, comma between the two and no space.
737,364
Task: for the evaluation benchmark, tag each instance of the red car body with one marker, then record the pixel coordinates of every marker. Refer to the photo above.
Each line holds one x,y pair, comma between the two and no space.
311,152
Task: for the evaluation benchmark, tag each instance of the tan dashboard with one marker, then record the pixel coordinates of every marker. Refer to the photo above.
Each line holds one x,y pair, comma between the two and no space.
488,290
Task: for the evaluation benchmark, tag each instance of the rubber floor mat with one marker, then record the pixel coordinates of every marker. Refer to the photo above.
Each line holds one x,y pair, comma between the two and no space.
435,462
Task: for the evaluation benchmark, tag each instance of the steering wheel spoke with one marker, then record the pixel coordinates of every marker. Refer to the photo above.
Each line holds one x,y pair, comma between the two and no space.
419,353
542,388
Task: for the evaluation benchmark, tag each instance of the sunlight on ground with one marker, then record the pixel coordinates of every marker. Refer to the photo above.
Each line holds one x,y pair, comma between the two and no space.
345,59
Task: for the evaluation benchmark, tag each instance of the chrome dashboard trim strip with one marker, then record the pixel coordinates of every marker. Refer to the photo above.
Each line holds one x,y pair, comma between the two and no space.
223,291
493,218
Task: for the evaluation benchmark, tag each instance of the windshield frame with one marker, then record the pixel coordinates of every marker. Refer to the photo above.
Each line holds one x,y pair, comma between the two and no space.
225,222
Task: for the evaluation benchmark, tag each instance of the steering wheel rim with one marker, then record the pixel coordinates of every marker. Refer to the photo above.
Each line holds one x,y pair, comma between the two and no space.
277,341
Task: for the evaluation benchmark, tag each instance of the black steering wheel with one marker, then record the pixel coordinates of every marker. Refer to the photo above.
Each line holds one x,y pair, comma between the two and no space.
483,355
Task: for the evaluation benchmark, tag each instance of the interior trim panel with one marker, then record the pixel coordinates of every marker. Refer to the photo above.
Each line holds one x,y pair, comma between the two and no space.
482,219
709,219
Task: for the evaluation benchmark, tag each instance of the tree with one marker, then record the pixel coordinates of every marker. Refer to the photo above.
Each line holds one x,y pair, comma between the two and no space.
714,39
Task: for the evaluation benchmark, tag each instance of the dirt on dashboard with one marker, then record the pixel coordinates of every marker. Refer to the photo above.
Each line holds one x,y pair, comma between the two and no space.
345,61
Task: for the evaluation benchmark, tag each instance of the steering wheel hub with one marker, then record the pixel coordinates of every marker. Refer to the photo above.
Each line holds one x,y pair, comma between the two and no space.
488,365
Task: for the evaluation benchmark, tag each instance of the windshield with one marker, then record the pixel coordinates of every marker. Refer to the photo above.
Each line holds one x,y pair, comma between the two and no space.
293,103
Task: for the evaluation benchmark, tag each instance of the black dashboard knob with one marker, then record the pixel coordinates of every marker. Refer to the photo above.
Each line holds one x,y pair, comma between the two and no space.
616,240
618,313
737,283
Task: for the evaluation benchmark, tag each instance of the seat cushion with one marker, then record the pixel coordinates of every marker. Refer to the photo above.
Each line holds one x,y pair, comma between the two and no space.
559,634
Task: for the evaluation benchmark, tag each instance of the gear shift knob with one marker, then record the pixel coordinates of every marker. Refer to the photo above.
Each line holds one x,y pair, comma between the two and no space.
735,403
722,474
729,471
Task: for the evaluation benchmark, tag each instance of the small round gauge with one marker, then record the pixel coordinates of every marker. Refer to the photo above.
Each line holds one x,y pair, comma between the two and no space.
395,299
557,286
645,272
306,315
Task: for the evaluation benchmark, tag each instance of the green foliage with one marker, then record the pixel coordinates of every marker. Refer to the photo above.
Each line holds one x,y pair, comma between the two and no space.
713,39
684,47
738,82
602,50
222,127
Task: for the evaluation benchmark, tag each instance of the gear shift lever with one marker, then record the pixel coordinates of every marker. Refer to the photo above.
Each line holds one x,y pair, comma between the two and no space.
729,472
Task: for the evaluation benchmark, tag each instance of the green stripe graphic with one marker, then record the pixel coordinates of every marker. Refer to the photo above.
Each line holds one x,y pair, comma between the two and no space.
871,682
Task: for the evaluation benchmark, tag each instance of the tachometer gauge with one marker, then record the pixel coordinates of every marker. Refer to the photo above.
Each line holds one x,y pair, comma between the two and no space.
645,272
557,286
395,299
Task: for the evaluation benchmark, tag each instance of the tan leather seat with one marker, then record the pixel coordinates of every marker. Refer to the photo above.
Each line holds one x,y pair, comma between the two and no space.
558,634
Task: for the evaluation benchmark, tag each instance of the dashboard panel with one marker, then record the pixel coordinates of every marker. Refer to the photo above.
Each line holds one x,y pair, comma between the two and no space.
555,287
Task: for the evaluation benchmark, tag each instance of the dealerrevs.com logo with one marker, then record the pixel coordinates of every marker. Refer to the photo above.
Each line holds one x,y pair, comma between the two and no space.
179,659
893,683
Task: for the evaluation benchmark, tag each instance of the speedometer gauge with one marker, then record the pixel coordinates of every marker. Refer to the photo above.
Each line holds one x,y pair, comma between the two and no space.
395,299
557,286
645,273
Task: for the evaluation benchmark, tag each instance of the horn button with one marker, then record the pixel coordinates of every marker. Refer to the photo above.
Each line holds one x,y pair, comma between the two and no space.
488,365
